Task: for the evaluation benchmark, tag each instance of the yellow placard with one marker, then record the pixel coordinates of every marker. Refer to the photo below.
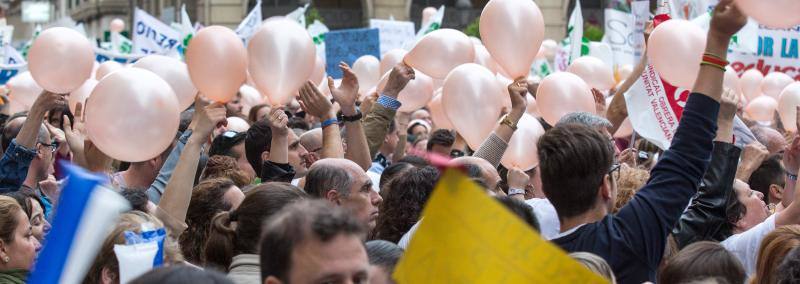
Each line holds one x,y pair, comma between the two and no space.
466,237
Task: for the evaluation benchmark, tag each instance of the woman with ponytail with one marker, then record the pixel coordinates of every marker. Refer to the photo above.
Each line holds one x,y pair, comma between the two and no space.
232,244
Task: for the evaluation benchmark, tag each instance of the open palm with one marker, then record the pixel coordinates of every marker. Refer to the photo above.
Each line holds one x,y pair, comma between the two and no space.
347,93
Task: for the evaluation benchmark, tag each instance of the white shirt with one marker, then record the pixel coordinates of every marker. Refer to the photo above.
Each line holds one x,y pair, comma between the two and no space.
403,243
376,180
745,245
547,217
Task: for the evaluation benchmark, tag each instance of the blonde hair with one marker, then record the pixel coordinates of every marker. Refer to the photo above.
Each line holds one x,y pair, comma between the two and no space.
131,221
9,208
630,181
595,263
774,248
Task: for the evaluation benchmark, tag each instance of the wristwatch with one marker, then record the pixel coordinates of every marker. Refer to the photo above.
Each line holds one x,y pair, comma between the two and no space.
353,118
507,122
515,191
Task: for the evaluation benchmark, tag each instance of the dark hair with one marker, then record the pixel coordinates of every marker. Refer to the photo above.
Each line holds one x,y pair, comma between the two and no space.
223,144
8,223
390,173
207,200
384,254
225,167
186,119
297,223
137,198
788,272
10,131
734,210
226,239
298,123
25,196
702,260
403,205
324,177
521,210
177,274
252,115
441,137
574,159
259,139
768,173
415,161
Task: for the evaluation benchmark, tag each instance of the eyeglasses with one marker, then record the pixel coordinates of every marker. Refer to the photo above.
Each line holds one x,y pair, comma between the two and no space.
54,146
615,170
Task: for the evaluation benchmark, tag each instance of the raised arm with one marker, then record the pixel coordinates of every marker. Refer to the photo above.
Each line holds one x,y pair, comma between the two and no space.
618,109
279,149
178,193
495,145
705,217
752,157
649,218
346,95
381,114
316,104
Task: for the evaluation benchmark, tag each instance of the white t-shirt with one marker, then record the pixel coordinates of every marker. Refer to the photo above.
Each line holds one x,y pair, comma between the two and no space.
745,245
403,243
547,217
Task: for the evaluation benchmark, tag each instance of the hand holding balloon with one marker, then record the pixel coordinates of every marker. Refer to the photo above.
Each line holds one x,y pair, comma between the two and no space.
517,91
398,79
208,120
347,93
46,102
315,103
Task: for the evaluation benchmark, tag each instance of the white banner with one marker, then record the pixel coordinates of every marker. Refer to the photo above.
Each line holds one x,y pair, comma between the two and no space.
641,14
11,56
575,32
619,34
655,107
777,51
248,27
152,36
393,34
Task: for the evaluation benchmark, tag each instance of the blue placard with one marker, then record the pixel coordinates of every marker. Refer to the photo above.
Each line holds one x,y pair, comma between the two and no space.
349,45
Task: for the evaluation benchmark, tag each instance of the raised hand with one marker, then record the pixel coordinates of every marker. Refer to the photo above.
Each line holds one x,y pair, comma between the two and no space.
347,93
208,120
729,103
517,91
398,79
752,156
47,101
277,122
727,19
314,102
599,102
518,179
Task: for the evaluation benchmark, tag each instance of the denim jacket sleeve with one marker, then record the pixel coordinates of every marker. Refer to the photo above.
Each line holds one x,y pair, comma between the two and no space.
705,218
14,166
157,188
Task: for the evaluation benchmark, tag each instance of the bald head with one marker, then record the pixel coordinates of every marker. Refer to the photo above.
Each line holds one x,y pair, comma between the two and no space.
312,140
770,138
488,172
331,174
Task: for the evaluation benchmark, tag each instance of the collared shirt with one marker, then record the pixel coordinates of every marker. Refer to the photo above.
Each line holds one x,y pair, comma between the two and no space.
14,166
379,164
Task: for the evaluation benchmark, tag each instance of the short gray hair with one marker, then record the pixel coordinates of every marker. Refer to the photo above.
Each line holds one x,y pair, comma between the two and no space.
584,118
325,177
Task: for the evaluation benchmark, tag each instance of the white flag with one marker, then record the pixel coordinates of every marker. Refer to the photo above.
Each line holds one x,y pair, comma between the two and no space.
187,30
299,15
575,32
434,23
12,56
120,43
150,35
317,31
248,27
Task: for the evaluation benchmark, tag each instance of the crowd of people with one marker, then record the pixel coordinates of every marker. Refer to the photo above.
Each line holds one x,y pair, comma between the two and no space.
332,190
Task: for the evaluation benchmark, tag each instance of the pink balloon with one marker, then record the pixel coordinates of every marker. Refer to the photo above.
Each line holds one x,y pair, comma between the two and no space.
512,31
485,59
773,84
750,83
366,68
80,95
731,81
440,51
676,49
60,60
415,95
237,124
624,130
250,98
282,57
427,13
762,108
23,90
594,71
533,107
319,71
132,115
550,48
438,83
773,13
117,25
391,59
175,73
438,116
787,106
469,98
106,68
562,93
522,151
217,63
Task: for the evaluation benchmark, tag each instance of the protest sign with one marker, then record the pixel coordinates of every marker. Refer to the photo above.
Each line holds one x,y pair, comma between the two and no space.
393,34
641,14
248,27
7,71
620,35
451,244
655,107
777,51
151,36
349,45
